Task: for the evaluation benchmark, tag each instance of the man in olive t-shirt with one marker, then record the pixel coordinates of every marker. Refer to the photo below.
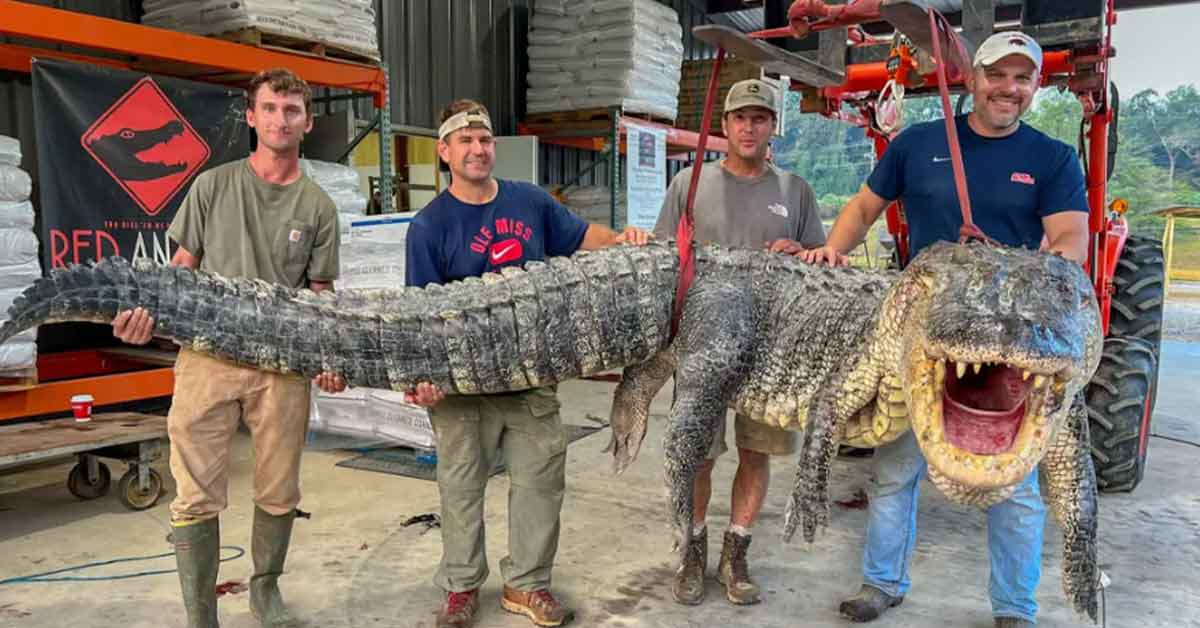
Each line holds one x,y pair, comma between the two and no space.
240,225
257,218
741,201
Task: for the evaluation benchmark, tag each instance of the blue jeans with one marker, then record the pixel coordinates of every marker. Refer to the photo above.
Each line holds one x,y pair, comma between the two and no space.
1015,529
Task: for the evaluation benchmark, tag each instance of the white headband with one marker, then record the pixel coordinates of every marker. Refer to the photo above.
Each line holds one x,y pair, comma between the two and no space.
463,119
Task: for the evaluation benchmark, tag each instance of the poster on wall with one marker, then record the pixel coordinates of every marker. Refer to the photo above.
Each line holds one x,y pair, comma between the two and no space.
646,174
117,152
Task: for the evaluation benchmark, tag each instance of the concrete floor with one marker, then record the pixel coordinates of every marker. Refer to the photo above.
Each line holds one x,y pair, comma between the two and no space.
353,565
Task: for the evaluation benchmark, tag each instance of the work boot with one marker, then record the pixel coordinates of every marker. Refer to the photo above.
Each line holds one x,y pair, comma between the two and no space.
459,610
688,585
269,546
197,555
539,606
1013,622
868,604
734,573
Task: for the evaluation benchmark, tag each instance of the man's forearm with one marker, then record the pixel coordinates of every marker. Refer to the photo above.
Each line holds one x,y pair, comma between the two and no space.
598,237
849,229
1071,245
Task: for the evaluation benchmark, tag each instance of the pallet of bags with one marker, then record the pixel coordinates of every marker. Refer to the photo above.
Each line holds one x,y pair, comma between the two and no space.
588,54
336,25
372,257
19,266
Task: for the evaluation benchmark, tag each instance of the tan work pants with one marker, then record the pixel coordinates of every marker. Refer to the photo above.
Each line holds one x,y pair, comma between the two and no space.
211,395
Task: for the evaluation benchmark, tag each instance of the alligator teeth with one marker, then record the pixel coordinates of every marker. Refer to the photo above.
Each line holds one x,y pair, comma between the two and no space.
961,368
976,366
1039,381
1025,374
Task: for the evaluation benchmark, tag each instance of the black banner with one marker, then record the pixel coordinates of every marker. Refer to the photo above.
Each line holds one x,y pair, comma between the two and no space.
117,152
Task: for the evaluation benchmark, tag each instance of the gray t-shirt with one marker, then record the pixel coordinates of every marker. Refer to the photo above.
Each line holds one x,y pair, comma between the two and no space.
744,212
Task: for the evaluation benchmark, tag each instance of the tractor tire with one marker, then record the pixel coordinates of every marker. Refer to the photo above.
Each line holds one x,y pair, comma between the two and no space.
1119,404
1137,303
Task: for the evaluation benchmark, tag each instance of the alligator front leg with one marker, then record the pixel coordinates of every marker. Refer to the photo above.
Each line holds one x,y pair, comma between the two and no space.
631,406
808,506
1069,489
714,345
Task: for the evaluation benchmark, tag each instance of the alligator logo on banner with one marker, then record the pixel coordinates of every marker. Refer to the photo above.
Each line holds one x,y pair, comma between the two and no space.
147,146
117,152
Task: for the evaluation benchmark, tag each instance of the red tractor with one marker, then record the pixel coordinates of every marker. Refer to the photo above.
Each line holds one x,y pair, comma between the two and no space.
856,61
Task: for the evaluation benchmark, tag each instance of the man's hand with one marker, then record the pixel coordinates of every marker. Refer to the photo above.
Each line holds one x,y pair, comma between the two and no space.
134,326
824,255
784,245
329,382
635,236
425,394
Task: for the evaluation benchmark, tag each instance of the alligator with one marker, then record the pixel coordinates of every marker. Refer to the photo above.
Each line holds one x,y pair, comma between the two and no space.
119,151
982,351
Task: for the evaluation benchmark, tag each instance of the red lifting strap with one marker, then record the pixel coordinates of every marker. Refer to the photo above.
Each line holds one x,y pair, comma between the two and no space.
938,26
686,231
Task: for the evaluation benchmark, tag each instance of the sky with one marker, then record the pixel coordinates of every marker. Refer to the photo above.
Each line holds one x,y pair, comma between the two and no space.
1156,49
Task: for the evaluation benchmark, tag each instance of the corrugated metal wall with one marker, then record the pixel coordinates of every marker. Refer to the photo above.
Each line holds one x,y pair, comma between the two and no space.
439,50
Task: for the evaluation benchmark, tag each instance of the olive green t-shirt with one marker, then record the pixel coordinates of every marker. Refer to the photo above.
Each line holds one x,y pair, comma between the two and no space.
242,226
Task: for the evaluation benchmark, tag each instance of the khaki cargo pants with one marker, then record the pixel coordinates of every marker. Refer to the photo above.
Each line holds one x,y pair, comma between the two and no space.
473,432
211,395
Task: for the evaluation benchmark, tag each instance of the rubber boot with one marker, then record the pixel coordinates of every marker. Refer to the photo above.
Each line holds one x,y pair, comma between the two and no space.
197,555
269,546
688,585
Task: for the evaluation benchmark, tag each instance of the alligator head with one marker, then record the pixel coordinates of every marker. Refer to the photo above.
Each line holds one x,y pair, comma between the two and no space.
119,151
995,343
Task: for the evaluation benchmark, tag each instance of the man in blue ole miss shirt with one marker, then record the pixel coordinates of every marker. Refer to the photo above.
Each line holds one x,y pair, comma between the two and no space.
1024,186
482,224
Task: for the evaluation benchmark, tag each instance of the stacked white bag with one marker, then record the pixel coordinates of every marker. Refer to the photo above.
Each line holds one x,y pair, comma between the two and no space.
19,266
341,184
585,54
347,24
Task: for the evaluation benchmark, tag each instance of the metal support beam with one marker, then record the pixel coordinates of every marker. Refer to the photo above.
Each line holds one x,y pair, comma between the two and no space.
56,26
362,134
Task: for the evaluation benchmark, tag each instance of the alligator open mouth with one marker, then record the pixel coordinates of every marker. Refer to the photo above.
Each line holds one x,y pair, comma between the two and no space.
984,424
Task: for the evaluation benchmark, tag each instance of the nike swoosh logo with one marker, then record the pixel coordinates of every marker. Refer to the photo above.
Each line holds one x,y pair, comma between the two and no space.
938,160
498,253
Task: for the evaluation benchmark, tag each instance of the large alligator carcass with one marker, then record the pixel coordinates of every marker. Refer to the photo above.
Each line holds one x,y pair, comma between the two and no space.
982,351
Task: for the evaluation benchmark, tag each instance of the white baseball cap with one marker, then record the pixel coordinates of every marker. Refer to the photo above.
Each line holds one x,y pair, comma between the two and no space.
1001,45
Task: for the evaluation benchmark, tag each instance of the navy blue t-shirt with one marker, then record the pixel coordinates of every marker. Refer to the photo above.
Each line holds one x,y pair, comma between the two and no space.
450,240
1013,182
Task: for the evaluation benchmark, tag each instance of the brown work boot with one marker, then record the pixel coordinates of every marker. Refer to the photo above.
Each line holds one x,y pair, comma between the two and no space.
688,585
1013,622
459,610
734,573
539,606
868,604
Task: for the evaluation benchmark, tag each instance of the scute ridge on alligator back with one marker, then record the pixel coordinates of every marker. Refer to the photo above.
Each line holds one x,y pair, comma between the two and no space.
981,351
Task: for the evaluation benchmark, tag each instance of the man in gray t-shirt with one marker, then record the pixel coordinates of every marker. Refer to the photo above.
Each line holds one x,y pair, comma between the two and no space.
744,201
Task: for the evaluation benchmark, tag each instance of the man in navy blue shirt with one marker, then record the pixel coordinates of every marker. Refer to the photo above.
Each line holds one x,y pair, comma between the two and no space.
482,224
1023,185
